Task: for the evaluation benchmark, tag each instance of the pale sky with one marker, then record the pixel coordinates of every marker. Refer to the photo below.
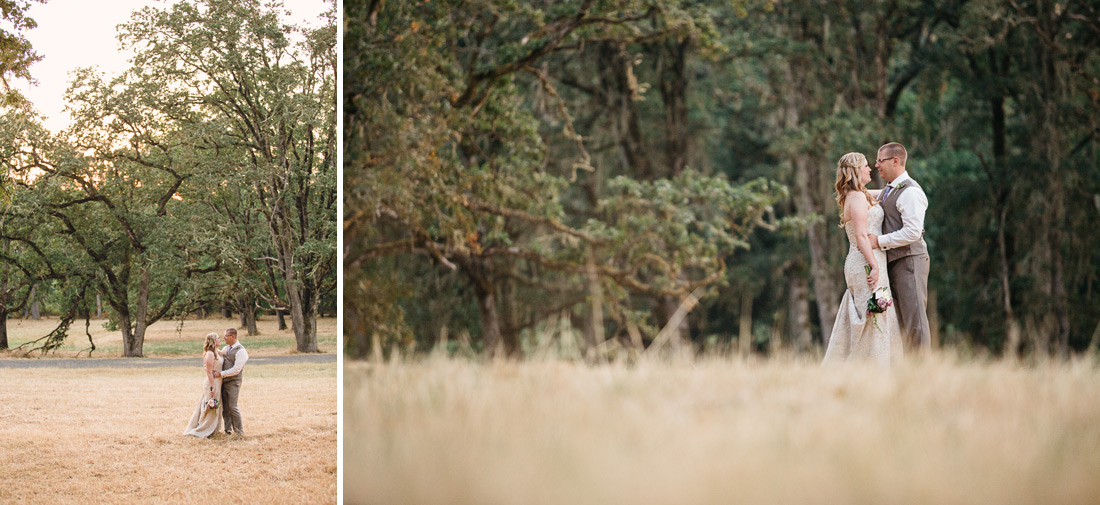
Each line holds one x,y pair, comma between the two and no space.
82,33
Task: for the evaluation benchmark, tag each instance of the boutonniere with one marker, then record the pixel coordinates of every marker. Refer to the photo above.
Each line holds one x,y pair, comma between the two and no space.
902,185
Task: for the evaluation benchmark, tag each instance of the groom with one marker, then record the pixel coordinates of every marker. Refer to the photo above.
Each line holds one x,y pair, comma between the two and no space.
235,358
904,204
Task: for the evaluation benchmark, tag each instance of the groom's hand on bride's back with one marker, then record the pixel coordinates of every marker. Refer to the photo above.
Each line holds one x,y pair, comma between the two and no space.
874,240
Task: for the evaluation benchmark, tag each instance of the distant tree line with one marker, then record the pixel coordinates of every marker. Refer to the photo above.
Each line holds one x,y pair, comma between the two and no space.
201,179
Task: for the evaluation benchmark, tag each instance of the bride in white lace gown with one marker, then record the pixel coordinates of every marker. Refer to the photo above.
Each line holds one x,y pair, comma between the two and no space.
856,334
205,421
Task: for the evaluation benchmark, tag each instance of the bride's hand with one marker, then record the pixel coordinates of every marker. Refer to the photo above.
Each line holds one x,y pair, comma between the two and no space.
872,278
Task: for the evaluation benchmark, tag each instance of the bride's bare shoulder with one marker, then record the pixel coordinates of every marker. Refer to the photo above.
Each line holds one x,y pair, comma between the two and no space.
855,198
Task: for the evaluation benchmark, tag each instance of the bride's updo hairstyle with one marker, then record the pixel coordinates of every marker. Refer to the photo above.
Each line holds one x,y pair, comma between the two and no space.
847,180
211,343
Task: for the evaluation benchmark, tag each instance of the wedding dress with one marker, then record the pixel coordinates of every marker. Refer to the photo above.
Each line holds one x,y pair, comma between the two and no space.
856,334
205,421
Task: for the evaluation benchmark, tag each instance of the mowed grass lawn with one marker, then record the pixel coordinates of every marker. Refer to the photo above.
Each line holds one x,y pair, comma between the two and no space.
721,431
113,436
169,338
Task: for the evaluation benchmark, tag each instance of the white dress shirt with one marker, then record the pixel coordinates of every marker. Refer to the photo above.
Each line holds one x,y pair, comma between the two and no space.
912,205
238,362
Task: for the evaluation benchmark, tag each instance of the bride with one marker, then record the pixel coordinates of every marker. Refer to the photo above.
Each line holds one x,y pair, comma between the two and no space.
206,419
858,334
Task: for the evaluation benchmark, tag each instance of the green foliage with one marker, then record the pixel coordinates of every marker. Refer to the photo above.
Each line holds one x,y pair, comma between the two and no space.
202,175
445,158
509,163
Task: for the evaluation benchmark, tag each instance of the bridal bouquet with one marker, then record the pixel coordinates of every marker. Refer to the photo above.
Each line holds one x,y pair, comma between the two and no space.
878,303
212,403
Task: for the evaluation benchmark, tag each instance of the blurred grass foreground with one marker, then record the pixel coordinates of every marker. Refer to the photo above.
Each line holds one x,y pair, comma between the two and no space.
936,429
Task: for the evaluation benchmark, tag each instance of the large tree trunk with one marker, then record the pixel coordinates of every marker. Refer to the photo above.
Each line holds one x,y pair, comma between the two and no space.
131,342
620,86
798,304
248,315
136,341
824,285
489,316
3,328
671,62
30,301
1012,326
250,322
1049,21
744,335
313,304
4,310
806,181
595,330
299,317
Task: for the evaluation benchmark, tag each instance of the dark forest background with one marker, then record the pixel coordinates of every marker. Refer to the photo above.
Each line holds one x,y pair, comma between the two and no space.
518,171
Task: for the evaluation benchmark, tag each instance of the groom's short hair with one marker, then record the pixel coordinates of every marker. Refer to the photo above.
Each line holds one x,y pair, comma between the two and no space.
231,331
895,149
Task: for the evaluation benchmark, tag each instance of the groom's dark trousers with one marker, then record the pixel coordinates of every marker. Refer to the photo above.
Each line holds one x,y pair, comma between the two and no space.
231,415
909,282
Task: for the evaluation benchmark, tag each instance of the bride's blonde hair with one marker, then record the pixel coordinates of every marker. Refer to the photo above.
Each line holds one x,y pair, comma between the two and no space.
847,180
211,343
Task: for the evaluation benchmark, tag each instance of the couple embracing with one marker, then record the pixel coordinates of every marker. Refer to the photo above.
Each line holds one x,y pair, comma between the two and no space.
220,388
883,313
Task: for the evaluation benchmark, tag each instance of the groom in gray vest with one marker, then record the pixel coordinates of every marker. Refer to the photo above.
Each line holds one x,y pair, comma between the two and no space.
904,204
233,366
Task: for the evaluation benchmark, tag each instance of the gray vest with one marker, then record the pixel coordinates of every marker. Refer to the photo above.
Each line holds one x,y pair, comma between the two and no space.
230,358
891,222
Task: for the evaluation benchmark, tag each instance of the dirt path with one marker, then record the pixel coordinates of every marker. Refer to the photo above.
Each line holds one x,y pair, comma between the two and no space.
154,362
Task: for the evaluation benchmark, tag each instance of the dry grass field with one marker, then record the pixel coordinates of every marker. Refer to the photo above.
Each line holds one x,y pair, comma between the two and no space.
168,338
112,436
935,431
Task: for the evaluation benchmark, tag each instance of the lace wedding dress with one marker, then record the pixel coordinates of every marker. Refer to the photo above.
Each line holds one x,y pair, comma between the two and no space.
856,335
204,422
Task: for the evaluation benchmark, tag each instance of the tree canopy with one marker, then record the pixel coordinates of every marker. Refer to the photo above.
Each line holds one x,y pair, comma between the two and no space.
201,177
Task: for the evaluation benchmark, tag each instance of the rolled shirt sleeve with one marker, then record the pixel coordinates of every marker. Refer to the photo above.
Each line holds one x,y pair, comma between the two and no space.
912,204
238,363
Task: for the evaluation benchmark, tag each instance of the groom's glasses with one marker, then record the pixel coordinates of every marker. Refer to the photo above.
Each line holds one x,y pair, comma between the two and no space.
887,159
